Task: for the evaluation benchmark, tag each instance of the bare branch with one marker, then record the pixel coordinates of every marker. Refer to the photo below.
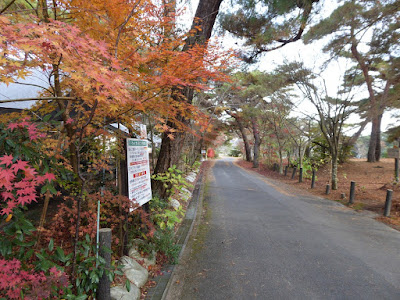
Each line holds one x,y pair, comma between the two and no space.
7,6
39,99
35,85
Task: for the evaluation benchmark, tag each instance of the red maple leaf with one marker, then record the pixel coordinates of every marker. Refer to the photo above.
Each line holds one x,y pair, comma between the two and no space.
19,165
6,160
30,173
6,211
12,126
49,176
7,195
7,174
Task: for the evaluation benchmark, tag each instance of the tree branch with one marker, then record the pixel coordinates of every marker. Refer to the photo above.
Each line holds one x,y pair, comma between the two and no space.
7,6
121,27
40,98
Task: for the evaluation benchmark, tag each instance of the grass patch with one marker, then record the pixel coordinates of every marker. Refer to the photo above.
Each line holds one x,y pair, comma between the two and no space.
357,206
204,226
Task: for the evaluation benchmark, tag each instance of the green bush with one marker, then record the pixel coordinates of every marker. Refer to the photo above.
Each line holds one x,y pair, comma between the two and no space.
235,152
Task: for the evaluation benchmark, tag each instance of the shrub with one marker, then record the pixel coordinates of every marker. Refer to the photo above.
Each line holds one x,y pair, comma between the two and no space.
235,152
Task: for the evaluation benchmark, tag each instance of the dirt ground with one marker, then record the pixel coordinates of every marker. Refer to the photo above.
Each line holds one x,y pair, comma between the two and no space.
372,181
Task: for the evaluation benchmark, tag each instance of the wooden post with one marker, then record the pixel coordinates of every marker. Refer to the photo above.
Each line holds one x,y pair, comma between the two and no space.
103,289
352,192
395,153
294,172
286,169
327,189
123,190
313,179
301,175
388,203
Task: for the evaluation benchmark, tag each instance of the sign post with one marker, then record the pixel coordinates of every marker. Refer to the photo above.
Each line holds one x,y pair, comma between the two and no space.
395,153
139,182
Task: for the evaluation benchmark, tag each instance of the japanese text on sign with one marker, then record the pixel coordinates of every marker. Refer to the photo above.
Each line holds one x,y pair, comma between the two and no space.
139,183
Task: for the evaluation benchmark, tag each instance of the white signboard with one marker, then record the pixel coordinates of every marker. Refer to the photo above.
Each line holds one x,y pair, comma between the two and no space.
139,183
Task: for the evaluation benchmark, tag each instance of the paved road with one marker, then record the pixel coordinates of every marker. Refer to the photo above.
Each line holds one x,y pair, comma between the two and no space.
259,241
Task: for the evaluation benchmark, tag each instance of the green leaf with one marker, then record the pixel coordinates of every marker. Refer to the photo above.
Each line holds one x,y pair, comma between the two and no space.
110,276
94,277
106,250
46,118
60,254
44,189
51,245
28,254
11,143
40,256
128,285
101,260
87,237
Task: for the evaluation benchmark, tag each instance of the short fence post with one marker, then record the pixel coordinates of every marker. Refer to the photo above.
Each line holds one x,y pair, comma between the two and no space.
103,290
352,192
313,179
327,189
388,203
396,169
294,172
286,168
301,175
342,196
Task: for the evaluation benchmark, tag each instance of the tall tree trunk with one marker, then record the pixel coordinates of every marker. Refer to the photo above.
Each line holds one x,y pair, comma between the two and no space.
245,139
170,151
374,149
334,177
375,131
257,143
300,156
280,161
169,155
378,149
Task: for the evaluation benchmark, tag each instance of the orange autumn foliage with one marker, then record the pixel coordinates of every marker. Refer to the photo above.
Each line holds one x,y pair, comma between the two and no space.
117,60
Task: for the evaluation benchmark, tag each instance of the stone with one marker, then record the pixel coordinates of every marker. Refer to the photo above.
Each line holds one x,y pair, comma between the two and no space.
120,292
185,190
191,177
136,273
185,194
174,203
147,261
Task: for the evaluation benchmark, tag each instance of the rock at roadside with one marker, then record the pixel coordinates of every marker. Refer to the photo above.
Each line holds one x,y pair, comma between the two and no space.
185,194
191,177
147,261
134,271
120,292
174,203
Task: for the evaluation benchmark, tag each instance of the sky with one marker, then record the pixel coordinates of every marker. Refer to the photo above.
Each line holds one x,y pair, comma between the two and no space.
18,91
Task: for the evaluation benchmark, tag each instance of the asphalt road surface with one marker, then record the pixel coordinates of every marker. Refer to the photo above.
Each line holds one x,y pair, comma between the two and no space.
260,239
